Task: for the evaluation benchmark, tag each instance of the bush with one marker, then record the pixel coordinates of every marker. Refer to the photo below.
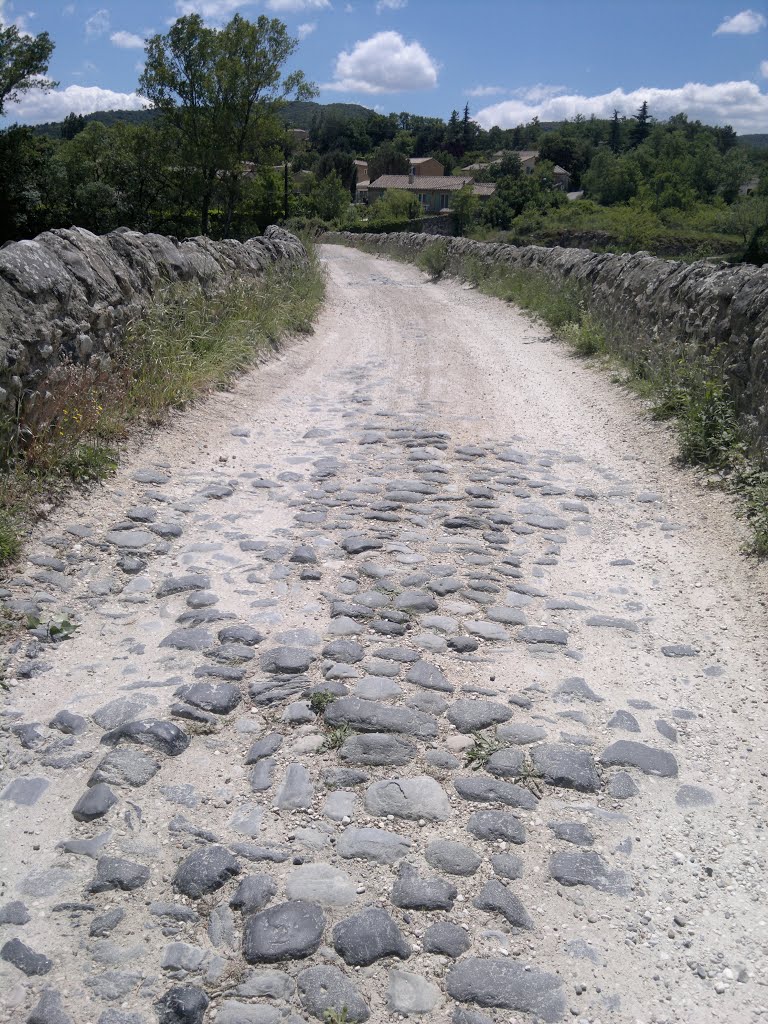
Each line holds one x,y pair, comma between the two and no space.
434,259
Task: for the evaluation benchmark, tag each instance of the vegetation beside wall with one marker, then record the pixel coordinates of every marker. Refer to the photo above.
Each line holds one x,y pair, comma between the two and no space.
695,393
187,345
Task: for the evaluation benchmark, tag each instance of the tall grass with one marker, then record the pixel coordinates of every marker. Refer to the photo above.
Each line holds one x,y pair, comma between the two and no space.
186,345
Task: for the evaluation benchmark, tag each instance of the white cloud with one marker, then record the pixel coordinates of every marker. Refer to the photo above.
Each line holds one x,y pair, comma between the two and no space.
97,25
68,10
384,63
390,5
485,90
306,29
745,23
127,40
764,69
82,99
211,10
291,6
740,104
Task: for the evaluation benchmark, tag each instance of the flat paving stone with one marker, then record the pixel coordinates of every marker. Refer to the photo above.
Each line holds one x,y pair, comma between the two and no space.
473,715
325,988
632,754
589,868
416,797
505,984
369,936
287,931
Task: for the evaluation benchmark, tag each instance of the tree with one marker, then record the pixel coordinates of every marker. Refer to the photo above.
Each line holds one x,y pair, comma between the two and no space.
23,64
221,89
640,130
468,130
330,197
464,208
387,159
71,125
614,139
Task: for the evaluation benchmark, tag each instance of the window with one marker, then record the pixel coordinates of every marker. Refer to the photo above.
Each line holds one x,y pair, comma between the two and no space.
423,199
445,201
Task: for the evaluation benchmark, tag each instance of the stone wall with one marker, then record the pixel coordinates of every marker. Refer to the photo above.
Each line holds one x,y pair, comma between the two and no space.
67,295
654,311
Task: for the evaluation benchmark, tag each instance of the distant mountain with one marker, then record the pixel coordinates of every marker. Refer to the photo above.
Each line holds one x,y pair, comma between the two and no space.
296,113
755,141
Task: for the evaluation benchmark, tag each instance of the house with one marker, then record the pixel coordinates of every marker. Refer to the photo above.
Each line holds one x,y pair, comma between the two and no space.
361,169
433,190
298,134
562,178
426,166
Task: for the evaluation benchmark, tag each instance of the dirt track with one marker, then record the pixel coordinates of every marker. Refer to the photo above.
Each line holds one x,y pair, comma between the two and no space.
491,537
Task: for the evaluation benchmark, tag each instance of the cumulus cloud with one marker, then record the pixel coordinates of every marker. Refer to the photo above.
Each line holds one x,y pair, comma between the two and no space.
745,23
291,6
384,63
764,69
740,104
211,10
306,29
127,40
97,25
35,107
390,5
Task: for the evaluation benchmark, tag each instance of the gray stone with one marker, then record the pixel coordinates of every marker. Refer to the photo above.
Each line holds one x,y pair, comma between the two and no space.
340,778
340,805
377,749
487,630
14,912
321,884
262,775
130,540
182,958
247,819
368,936
296,790
452,857
509,985
419,796
26,960
679,651
577,688
348,652
485,789
428,676
253,893
182,1004
121,1017
507,763
48,1010
94,803
650,760
622,786
124,768
412,892
24,792
493,825
473,715
218,698
625,720
561,764
287,931
668,731
277,690
377,688
165,737
521,733
268,983
588,868
240,633
446,939
118,873
409,993
543,635
495,897
507,865
287,660
606,622
357,545
374,844
187,639
461,1015
104,924
370,716
264,747
182,584
232,1011
441,759
572,832
69,723
204,871
86,847
324,988
694,796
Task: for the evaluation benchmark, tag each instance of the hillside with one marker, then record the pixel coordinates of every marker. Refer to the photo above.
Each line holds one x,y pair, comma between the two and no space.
755,141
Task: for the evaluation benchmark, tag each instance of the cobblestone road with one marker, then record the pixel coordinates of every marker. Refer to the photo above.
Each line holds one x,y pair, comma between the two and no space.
408,682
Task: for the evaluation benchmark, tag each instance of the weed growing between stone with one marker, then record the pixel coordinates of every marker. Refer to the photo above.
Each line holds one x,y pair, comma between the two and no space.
187,345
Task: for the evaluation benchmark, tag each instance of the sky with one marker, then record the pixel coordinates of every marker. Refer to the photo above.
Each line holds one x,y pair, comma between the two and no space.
509,59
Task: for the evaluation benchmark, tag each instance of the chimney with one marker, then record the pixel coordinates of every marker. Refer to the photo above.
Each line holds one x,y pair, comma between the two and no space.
411,175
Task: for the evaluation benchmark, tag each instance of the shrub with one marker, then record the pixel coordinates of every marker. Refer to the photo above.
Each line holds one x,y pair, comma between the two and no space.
434,259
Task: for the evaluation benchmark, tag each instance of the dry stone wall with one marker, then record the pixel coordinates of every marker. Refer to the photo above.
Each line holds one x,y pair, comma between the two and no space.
67,295
654,311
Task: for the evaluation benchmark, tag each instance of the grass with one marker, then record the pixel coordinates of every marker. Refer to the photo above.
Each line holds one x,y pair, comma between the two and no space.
320,700
434,259
478,755
188,344
336,737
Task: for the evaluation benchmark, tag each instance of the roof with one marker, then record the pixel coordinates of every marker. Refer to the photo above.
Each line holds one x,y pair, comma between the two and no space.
363,184
425,183
360,163
522,154
422,159
475,167
483,189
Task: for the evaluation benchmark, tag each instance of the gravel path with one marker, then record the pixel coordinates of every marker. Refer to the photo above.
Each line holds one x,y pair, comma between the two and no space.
444,525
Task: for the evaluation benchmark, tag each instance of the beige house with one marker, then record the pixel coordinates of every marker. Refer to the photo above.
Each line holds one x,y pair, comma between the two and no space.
426,166
434,191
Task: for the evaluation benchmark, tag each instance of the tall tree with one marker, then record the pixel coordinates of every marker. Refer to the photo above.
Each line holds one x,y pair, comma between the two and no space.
641,129
614,139
23,64
221,89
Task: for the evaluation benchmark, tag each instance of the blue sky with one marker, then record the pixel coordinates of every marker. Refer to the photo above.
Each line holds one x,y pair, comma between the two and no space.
510,59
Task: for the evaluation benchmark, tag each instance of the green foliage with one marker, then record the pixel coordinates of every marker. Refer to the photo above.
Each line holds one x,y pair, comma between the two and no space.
335,737
336,1016
464,207
397,206
482,748
434,259
320,700
54,630
24,63
10,537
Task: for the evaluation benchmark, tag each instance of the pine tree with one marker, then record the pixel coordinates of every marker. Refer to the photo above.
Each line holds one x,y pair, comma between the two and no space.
640,130
614,139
